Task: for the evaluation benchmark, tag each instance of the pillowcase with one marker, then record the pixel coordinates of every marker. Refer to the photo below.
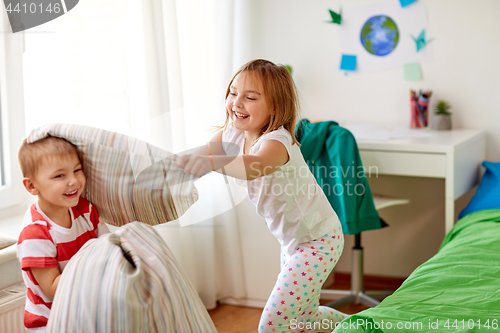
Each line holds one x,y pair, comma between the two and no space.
127,281
488,193
127,179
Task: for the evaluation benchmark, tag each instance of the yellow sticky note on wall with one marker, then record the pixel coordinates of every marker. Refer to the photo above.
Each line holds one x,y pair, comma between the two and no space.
413,72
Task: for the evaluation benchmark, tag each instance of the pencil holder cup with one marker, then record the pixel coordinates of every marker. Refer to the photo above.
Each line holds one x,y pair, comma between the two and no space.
419,113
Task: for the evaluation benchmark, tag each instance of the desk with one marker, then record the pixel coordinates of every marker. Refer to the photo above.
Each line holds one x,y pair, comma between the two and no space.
454,155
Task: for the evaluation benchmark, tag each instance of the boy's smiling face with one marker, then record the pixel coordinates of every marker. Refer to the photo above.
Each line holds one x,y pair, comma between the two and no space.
58,183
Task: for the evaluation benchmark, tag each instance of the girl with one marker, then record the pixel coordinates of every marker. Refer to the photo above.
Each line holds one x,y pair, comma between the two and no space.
257,144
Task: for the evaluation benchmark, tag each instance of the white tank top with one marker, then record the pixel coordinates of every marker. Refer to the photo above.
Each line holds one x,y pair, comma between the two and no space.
290,200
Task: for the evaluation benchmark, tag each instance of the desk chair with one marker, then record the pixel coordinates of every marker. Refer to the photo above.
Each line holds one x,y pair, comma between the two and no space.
325,144
357,294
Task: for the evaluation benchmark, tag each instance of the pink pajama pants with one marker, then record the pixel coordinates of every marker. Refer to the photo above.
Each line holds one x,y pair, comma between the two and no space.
294,302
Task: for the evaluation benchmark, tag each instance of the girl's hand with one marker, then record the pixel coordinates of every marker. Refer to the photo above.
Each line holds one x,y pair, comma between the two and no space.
194,164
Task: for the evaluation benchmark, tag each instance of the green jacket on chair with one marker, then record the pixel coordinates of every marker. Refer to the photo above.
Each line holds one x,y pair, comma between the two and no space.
333,157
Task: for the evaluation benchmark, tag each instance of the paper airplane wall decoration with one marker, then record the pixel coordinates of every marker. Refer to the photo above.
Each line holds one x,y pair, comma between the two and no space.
405,3
420,40
336,18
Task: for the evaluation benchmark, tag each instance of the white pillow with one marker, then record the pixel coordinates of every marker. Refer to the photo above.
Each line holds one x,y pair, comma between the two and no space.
6,241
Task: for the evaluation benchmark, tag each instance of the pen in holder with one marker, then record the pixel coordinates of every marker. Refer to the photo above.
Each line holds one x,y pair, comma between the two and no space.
419,108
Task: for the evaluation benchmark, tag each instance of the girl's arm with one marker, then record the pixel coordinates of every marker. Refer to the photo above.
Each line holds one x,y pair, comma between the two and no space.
47,278
270,157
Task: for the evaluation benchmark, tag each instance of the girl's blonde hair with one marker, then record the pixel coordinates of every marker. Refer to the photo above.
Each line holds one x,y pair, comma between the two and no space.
280,94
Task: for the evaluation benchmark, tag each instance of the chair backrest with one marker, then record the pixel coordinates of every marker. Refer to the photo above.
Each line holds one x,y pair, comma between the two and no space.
332,155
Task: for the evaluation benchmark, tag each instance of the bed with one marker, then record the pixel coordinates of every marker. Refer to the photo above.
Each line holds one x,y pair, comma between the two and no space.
458,289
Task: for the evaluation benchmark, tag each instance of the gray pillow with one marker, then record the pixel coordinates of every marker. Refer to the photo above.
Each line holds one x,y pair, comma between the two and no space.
127,179
127,281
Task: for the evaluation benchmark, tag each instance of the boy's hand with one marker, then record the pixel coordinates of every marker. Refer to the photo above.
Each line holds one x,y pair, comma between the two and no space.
47,278
194,164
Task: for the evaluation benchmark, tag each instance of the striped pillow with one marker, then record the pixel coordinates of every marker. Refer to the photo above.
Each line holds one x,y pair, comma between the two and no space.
127,179
127,281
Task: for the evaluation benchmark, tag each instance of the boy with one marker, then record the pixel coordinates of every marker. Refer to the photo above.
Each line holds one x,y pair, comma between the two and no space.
56,226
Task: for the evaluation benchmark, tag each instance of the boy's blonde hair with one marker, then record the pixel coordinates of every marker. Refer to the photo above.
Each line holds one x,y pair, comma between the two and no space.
32,155
280,94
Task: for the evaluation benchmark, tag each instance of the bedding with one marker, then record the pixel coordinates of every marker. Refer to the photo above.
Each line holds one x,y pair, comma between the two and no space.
457,290
127,179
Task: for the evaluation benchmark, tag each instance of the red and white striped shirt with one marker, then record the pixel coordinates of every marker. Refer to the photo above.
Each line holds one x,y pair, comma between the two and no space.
43,243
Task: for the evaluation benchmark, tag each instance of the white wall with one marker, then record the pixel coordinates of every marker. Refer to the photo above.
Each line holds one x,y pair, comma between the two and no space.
464,71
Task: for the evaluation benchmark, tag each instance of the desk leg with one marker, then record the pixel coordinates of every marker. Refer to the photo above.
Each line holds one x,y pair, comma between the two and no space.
449,214
449,195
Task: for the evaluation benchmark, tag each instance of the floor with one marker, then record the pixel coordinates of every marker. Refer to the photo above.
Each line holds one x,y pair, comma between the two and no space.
238,319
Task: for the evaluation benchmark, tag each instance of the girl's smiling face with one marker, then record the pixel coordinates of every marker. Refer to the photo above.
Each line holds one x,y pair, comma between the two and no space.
247,104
